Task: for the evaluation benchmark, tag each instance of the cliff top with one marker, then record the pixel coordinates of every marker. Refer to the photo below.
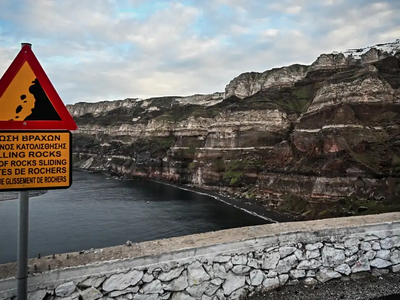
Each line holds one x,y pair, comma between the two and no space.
248,83
390,48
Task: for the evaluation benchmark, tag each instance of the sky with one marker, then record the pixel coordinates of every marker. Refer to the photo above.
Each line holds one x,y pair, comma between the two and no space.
94,50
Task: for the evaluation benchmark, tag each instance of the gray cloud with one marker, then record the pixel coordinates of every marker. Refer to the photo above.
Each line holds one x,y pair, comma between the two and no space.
93,51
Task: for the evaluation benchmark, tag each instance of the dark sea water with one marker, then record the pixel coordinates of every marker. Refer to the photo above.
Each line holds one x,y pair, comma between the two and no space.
98,211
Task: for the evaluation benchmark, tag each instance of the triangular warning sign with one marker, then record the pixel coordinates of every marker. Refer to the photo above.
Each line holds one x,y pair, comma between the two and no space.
28,100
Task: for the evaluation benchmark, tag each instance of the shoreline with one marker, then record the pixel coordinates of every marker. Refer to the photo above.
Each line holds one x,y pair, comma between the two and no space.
6,196
249,206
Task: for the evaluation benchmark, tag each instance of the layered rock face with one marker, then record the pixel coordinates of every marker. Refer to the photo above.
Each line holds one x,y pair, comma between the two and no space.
315,141
248,84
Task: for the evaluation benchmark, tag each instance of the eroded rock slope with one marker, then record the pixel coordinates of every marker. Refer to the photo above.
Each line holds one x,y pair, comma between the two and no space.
315,141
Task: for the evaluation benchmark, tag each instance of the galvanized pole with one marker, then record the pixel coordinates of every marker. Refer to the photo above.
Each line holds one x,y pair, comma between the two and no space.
23,229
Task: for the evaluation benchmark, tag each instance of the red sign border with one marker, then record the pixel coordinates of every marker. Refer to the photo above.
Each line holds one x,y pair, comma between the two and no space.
26,55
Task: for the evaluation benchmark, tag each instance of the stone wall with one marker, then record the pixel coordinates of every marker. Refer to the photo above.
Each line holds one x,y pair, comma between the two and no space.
218,265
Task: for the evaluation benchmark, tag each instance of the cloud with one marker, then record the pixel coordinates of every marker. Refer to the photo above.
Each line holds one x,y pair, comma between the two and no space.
108,49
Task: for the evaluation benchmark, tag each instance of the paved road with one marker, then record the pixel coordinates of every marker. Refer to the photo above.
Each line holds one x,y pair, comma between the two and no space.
391,297
386,287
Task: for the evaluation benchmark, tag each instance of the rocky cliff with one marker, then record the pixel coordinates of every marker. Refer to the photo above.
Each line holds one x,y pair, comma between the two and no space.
314,141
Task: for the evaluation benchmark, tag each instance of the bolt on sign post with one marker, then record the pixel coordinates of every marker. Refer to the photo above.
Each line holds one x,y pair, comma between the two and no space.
35,142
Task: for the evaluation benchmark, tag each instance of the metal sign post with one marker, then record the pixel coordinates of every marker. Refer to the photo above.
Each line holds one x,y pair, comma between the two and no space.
31,156
23,229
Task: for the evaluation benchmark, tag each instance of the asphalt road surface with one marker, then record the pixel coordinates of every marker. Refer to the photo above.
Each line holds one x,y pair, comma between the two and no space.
386,287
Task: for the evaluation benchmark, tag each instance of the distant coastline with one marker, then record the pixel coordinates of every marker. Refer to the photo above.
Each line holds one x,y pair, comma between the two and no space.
249,206
4,196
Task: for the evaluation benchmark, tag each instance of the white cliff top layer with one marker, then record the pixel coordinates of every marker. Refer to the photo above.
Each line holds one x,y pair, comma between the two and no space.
390,48
202,99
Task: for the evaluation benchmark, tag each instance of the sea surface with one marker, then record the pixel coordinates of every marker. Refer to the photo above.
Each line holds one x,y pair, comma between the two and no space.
99,211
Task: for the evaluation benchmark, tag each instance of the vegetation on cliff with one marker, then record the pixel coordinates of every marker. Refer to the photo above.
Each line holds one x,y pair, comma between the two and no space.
314,141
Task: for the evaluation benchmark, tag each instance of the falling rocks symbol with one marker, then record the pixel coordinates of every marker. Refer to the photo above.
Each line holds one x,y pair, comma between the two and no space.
28,100
43,109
